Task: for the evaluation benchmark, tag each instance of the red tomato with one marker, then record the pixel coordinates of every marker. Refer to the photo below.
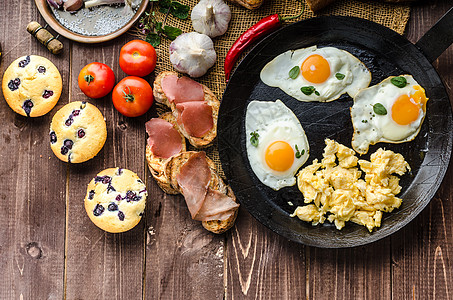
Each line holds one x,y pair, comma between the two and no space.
138,58
132,96
96,80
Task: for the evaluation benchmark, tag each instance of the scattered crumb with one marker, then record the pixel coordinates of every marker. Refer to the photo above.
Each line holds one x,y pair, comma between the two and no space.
290,203
219,252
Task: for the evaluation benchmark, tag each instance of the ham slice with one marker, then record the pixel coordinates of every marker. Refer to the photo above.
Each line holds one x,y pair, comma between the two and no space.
196,117
184,89
193,179
216,206
164,139
204,203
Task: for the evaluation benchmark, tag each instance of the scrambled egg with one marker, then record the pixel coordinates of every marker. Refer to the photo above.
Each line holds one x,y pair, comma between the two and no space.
337,193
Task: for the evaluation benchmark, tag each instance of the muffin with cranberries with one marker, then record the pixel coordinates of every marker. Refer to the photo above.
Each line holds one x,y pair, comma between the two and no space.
115,200
32,85
77,132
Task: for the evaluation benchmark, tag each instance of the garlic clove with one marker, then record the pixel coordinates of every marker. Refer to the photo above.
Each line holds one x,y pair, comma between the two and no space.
72,5
55,3
192,53
211,17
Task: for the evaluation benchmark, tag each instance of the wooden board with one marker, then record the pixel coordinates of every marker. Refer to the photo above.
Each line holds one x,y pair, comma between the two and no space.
263,265
102,265
32,218
183,260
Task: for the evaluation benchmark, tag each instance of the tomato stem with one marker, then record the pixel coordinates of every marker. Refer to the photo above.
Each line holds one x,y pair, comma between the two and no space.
88,78
128,96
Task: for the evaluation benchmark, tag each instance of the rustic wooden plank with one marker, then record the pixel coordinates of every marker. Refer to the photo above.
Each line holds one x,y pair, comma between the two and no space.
183,260
101,265
261,264
354,273
422,251
32,188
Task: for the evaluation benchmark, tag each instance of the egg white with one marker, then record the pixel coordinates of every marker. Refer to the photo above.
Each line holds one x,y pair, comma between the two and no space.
357,76
371,128
274,121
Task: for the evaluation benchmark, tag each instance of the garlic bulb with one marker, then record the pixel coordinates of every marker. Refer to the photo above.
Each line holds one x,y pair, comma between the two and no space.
211,17
192,53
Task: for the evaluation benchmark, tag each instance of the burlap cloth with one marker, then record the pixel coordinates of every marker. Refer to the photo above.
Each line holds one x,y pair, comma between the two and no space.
394,16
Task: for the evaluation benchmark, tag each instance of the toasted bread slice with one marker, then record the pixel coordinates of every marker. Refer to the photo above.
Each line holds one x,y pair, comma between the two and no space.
220,226
209,97
249,4
156,164
172,169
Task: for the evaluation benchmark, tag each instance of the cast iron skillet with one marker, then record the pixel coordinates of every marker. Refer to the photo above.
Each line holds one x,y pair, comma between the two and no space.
385,53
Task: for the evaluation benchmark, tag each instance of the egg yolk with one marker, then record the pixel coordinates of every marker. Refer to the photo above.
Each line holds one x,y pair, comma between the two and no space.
315,69
279,156
406,109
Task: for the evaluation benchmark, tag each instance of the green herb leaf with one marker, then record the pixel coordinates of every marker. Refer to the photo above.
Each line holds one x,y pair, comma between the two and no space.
254,138
294,72
339,76
308,90
316,93
399,81
164,10
153,39
158,26
171,32
379,109
166,4
179,10
298,154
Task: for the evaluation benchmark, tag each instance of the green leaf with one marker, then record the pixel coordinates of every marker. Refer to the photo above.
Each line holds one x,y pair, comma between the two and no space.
294,72
379,109
316,93
298,155
163,10
179,10
171,32
308,90
165,4
399,81
153,39
159,26
339,76
254,138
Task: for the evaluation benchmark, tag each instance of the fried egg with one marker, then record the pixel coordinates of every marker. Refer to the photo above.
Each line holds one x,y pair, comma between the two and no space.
316,74
276,143
391,111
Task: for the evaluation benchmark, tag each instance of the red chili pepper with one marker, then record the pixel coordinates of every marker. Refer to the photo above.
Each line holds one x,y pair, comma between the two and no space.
260,29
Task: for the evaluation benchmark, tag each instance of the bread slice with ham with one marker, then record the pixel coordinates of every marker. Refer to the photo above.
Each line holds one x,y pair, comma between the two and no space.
163,142
193,104
208,198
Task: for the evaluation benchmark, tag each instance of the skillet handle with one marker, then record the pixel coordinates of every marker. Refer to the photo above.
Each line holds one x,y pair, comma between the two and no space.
438,38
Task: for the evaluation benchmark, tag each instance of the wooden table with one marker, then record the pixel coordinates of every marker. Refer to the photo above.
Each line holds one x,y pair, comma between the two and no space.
49,249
